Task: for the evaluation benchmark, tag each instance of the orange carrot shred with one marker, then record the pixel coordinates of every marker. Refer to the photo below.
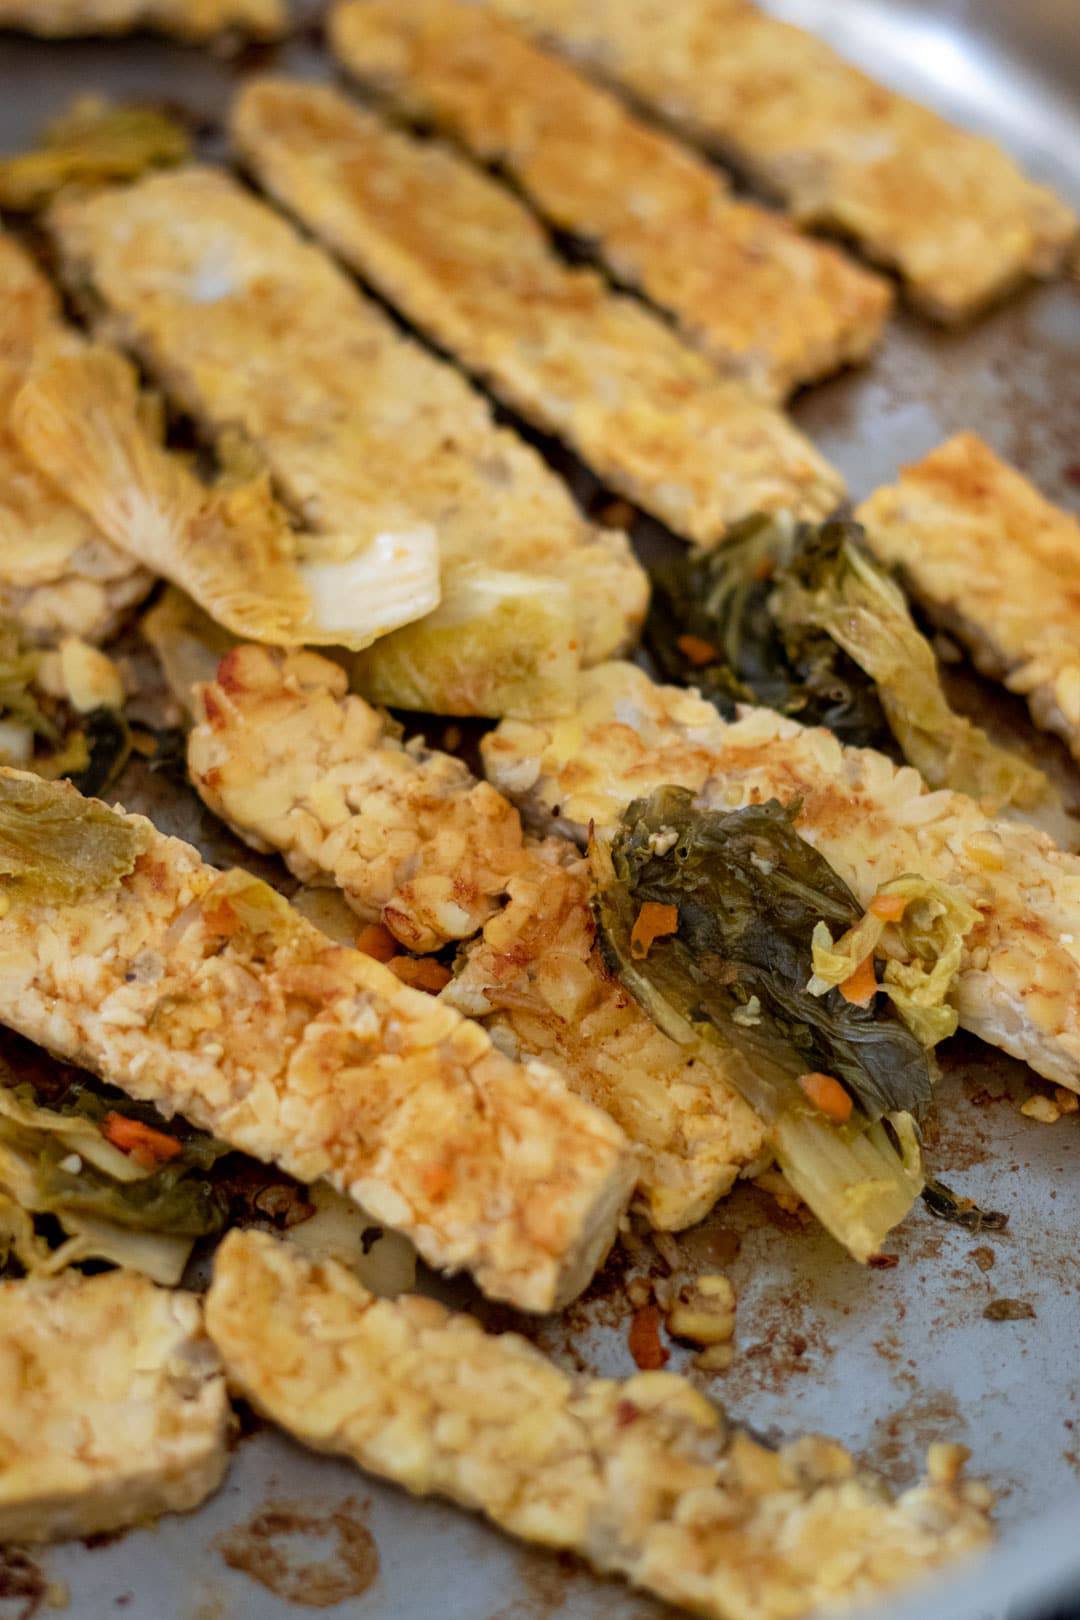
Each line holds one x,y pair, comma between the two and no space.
644,1339
889,907
421,972
696,650
147,1146
654,921
376,940
827,1095
862,985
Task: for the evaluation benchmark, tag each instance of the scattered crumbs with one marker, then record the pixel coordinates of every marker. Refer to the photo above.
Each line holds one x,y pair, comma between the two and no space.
57,1595
644,1339
1042,1108
983,1257
1009,1310
1066,1102
884,1262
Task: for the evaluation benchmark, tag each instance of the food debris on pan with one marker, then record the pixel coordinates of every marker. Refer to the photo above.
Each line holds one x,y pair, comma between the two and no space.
670,959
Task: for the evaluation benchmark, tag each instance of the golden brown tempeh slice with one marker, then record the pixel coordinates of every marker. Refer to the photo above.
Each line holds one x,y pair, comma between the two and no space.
996,563
58,574
536,979
115,1407
762,301
294,763
470,265
185,19
205,993
1019,984
949,210
249,327
641,1476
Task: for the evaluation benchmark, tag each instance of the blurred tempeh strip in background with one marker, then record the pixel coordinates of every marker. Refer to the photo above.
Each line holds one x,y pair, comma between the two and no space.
950,211
471,267
184,19
761,300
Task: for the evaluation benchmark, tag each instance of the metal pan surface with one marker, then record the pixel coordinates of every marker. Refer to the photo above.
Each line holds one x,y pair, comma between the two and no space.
887,1360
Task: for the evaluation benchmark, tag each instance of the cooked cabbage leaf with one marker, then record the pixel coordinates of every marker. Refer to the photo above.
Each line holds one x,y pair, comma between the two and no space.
748,892
57,845
92,144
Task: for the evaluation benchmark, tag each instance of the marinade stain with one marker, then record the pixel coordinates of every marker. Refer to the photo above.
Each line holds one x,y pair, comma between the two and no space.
275,1547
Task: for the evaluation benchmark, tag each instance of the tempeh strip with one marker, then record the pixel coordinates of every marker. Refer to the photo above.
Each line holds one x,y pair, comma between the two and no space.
468,263
994,562
247,326
184,19
948,209
295,763
641,1476
58,574
205,993
1019,982
761,300
537,980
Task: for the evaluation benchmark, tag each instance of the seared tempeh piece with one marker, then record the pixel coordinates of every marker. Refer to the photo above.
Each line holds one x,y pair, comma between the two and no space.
949,210
642,1476
58,574
1019,985
295,763
468,263
247,326
761,300
996,564
536,979
184,19
205,993
114,1408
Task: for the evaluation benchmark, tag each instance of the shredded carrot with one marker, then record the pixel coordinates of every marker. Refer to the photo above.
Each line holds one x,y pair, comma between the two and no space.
147,1146
654,921
421,972
861,987
644,1339
889,907
828,1095
696,650
376,940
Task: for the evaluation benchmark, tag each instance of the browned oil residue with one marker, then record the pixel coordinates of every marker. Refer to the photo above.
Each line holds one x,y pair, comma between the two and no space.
21,1581
900,1438
270,1548
555,1584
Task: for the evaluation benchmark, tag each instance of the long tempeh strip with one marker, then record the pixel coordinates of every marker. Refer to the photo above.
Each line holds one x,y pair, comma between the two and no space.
184,19
248,327
997,564
295,763
1019,983
948,209
464,260
763,301
205,993
641,1476
536,979
58,574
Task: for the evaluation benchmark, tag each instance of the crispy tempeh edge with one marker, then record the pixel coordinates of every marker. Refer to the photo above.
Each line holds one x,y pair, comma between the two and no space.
1019,984
185,19
994,562
465,261
206,994
761,300
948,209
641,1476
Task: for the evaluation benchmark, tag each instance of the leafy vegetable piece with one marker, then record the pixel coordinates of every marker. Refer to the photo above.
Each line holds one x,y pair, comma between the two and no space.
748,891
719,603
107,738
57,845
947,1206
19,702
188,643
831,584
921,925
92,144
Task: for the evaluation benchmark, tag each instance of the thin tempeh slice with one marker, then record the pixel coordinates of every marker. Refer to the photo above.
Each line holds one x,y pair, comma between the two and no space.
641,1476
468,263
949,210
536,979
207,994
294,763
58,574
248,327
184,19
996,563
115,1407
1019,983
761,300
